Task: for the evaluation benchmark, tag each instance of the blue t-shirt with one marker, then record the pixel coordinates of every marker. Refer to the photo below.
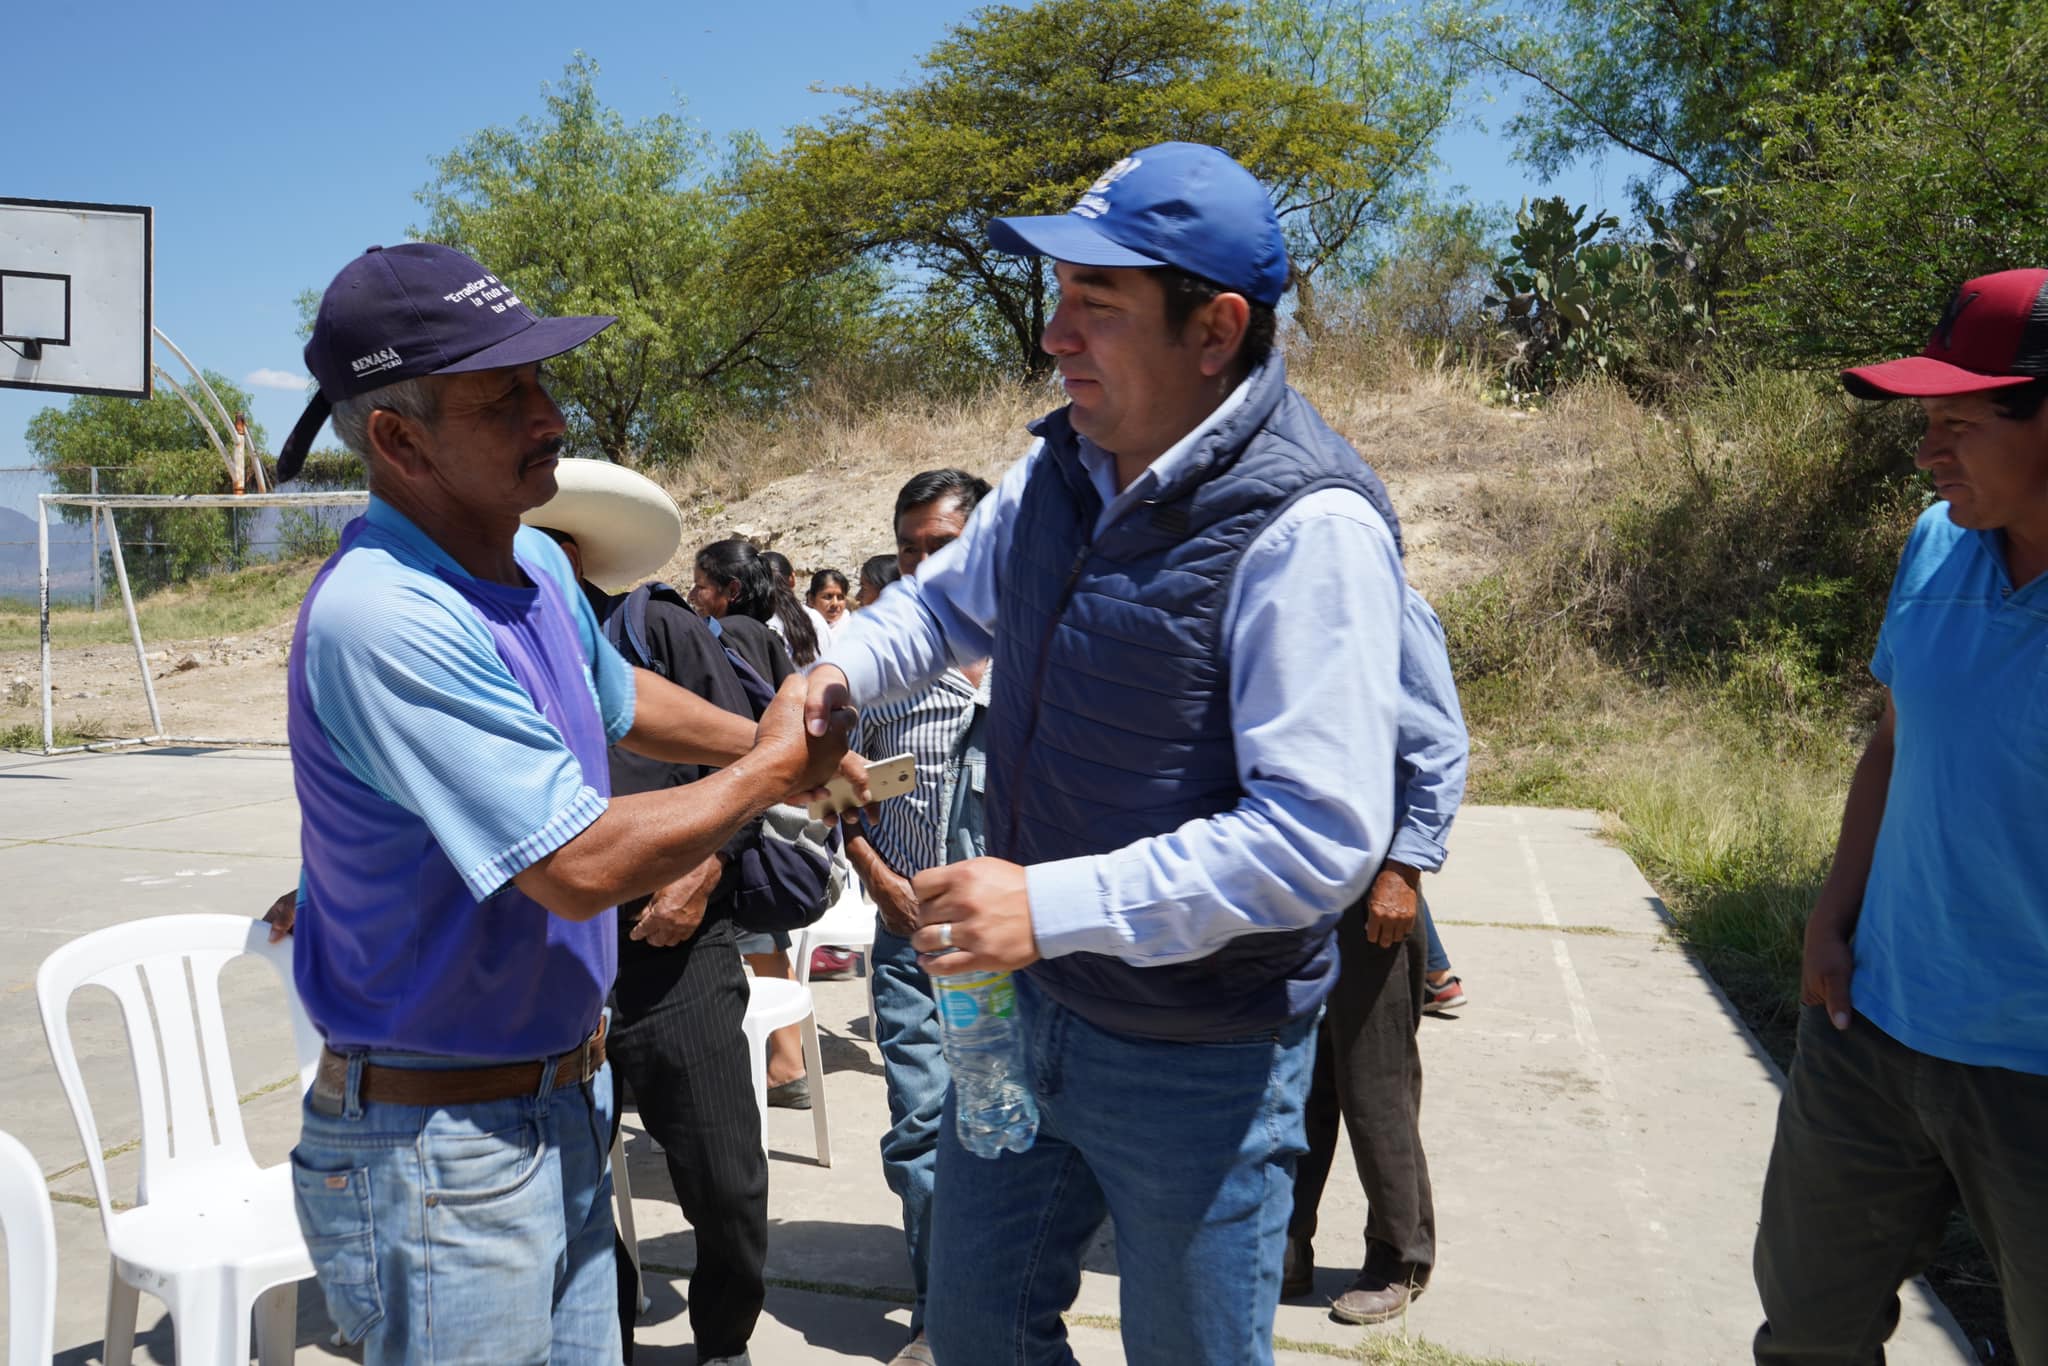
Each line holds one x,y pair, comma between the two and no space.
1952,946
447,733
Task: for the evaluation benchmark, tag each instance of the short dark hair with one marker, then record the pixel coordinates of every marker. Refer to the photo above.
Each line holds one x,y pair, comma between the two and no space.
2022,401
1185,293
964,489
826,578
881,570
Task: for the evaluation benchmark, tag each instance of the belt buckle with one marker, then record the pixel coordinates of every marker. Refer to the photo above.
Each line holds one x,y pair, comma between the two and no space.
583,1058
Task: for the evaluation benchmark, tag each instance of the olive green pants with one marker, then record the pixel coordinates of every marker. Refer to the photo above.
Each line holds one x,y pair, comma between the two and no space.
1876,1145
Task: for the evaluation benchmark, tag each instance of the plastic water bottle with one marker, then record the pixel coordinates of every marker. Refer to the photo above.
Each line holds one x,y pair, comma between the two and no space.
995,1110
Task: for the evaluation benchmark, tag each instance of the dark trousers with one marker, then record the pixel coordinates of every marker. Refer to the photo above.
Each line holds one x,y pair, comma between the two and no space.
675,1039
1876,1145
1368,1069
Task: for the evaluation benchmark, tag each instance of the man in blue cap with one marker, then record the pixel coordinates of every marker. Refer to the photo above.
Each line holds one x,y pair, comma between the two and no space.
452,698
1192,590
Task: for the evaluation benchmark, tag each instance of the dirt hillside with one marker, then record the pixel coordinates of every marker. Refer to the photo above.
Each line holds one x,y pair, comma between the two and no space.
820,490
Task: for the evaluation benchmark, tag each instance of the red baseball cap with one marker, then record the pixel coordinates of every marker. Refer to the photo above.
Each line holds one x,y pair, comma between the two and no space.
1993,336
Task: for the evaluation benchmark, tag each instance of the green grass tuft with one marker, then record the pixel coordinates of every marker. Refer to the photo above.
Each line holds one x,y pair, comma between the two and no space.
218,605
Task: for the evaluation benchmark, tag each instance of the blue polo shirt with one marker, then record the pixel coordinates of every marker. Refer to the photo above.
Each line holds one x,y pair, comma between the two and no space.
447,732
1952,946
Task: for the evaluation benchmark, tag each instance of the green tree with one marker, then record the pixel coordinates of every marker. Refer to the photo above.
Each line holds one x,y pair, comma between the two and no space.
584,212
1674,82
152,446
1407,84
1018,111
1882,194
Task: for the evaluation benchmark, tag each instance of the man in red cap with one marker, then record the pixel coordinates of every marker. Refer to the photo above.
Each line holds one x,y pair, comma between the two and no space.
1922,1074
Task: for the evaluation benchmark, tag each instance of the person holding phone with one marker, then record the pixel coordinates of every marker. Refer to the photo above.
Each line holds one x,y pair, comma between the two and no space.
908,837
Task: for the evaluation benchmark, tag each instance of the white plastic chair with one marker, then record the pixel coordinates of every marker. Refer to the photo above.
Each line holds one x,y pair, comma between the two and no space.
849,923
211,1234
31,1235
622,1195
771,1004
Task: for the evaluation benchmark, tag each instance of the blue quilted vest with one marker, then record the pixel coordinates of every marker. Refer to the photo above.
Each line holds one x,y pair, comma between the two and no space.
1110,719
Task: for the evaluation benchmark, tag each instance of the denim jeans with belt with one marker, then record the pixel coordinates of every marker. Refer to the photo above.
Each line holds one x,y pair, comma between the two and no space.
1189,1148
464,1233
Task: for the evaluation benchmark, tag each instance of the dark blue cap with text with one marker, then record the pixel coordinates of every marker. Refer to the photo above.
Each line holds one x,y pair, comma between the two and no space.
396,313
1177,204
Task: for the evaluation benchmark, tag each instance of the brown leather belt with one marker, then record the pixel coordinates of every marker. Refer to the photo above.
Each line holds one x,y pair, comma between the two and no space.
455,1086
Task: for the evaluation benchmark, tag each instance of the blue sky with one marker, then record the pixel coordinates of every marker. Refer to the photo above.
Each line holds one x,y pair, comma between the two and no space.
277,141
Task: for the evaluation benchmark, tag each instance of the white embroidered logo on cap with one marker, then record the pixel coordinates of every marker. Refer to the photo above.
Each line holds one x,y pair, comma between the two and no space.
1095,203
383,359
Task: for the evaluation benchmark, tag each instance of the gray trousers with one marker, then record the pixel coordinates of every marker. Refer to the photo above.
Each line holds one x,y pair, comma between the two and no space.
1876,1146
1368,1069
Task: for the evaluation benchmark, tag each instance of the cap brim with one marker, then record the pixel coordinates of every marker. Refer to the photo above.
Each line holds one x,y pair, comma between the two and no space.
547,337
1064,237
1923,377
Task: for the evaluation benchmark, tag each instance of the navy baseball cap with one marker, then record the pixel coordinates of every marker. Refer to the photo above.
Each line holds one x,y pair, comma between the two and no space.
1177,204
397,313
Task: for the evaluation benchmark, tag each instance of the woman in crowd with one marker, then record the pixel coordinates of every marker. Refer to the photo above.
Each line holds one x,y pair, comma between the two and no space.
733,586
785,578
878,573
733,577
829,599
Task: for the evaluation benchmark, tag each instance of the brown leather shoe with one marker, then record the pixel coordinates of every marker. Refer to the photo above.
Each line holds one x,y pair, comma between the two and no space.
1298,1272
1372,1298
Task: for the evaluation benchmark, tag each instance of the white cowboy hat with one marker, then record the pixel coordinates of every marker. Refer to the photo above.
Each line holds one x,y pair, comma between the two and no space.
626,526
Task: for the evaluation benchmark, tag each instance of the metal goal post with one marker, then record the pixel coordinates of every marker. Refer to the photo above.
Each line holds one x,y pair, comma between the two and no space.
104,505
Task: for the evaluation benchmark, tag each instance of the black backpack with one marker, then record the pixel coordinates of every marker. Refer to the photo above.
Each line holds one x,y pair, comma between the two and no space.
786,876
626,629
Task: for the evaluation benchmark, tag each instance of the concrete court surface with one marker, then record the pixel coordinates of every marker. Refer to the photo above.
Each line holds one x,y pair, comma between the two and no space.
1597,1120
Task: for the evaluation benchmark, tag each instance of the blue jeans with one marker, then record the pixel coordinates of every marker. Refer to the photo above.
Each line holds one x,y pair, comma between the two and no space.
914,1066
1438,960
465,1233
1189,1148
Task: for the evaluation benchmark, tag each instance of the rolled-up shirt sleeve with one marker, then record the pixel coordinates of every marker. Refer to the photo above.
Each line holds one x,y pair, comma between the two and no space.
420,707
1433,748
1314,632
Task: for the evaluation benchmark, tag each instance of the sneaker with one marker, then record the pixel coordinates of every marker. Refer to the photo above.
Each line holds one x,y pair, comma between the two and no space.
916,1352
1438,997
831,965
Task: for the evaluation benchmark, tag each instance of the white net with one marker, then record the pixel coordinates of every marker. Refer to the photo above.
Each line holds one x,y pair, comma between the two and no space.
198,663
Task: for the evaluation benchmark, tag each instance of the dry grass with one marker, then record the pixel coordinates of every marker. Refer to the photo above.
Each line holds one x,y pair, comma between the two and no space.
819,483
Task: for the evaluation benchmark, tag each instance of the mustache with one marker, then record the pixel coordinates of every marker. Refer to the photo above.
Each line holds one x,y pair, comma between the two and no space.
549,449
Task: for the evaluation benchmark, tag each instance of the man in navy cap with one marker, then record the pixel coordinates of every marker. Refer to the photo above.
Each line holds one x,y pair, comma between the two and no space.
452,698
1192,590
1921,1080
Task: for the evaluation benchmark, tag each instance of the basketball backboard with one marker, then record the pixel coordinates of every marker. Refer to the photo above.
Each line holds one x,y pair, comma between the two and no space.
75,297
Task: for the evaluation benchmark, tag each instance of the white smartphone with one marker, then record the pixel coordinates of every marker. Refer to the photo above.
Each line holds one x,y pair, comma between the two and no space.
886,778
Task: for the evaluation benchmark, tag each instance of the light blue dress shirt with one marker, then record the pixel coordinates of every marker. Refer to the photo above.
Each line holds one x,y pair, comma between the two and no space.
1315,624
1429,771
